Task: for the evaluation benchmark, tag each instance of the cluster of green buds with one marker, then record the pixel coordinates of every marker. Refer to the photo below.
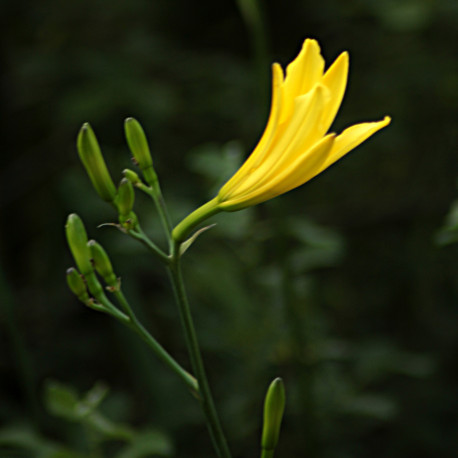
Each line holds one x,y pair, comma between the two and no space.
88,255
123,197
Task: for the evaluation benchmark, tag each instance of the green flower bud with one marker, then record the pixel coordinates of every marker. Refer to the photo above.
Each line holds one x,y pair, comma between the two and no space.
138,145
77,285
131,176
274,407
102,263
126,197
92,159
77,241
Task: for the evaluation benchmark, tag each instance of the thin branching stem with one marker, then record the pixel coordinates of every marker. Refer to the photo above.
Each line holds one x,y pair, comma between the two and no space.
157,348
143,238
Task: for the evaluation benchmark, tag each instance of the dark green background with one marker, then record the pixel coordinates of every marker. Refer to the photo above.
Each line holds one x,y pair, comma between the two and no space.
338,287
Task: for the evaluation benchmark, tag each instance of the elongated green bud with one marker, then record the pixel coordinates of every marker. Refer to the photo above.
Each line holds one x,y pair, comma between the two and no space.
126,197
77,241
138,145
102,263
274,407
131,176
92,159
77,285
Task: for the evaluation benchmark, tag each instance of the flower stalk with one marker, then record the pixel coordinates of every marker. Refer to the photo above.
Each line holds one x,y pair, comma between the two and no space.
206,398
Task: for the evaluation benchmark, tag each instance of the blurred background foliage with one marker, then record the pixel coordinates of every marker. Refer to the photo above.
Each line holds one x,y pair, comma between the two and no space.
346,287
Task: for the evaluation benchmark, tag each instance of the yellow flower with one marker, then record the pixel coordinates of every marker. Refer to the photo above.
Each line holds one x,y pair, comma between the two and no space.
295,146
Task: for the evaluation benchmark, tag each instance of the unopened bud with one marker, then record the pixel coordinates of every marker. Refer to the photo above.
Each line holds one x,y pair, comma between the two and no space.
274,407
126,197
138,145
102,263
131,176
77,285
77,241
92,159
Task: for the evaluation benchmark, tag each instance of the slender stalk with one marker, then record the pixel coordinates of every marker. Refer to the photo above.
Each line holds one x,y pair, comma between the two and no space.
156,194
157,348
129,319
206,399
183,229
267,453
142,237
200,386
106,305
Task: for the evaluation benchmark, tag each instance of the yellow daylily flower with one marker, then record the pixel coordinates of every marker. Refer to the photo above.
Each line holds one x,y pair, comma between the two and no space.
295,146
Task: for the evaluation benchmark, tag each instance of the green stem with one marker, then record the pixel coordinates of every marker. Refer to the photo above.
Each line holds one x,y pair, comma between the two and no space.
156,194
267,453
157,348
206,400
97,291
182,230
142,237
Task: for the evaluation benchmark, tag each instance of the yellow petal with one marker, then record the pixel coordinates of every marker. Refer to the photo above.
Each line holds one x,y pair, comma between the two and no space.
302,74
352,137
304,168
291,143
335,79
295,174
262,147
300,133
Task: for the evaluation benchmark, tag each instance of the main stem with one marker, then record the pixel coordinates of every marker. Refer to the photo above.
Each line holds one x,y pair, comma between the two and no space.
206,398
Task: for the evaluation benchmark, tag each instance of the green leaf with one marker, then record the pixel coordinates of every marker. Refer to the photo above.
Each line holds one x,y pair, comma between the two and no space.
147,443
61,400
92,398
108,429
14,439
187,243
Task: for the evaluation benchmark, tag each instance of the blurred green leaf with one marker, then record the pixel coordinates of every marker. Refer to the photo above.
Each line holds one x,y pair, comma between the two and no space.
95,396
14,439
61,400
449,232
147,443
108,429
217,163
